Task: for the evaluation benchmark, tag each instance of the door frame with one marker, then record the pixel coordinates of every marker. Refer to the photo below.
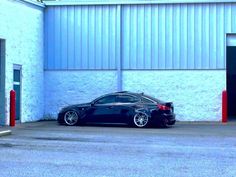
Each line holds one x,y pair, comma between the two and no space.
2,81
230,41
18,67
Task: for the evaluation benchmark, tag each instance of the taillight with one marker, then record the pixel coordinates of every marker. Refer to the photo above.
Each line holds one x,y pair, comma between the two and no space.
163,107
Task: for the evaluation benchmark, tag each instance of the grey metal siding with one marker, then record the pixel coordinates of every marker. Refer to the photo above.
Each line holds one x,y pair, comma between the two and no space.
81,37
180,36
157,36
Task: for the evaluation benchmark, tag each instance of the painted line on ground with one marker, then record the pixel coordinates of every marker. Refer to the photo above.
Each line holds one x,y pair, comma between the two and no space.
5,132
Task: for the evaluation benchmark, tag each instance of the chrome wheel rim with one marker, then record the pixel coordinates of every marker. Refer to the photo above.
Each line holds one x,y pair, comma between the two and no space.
71,117
140,119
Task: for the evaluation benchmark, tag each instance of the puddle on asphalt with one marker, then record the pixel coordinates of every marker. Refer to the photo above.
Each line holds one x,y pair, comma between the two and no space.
7,145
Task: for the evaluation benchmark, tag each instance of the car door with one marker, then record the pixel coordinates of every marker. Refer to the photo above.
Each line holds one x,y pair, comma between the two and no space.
103,109
126,105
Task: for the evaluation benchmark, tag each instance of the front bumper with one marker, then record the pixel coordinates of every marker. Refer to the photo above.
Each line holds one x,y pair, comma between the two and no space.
60,118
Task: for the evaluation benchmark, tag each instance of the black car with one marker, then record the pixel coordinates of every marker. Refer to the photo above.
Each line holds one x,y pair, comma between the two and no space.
136,109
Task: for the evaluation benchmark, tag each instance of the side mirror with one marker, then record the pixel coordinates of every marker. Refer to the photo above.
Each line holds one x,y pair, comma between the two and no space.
92,104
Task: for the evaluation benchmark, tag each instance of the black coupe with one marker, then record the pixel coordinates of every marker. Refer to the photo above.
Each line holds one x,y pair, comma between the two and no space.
136,109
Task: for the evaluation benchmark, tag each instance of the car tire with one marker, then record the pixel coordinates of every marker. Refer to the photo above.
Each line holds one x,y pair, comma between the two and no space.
140,120
71,118
165,124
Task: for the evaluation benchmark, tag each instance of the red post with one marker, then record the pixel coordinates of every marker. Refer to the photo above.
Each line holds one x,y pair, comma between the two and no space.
224,107
12,108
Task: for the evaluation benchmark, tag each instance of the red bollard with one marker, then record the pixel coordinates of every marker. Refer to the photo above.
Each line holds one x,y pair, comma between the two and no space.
224,107
12,108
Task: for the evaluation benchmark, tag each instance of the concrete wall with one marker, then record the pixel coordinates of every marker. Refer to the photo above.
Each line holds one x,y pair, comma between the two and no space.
63,88
21,25
196,94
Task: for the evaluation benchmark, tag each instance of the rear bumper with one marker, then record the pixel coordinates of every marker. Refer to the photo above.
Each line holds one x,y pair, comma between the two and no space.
169,118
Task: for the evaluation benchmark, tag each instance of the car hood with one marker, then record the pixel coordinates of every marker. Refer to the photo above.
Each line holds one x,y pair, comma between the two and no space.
82,105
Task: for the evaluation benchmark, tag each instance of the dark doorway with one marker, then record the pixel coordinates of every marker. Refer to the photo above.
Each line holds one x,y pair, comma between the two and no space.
231,81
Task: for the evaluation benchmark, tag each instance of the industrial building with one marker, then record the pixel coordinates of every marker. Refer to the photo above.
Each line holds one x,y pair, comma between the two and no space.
66,52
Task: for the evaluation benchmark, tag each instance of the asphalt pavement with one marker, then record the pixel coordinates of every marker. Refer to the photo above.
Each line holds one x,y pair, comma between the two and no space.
45,149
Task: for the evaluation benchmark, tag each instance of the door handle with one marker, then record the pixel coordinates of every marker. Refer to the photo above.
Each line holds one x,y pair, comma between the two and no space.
109,107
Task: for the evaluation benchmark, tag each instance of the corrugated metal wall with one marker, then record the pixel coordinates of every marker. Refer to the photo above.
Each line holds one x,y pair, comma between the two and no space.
81,37
160,36
180,36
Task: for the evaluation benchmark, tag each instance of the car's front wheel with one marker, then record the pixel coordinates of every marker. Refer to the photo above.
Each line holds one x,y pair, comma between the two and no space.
71,118
141,119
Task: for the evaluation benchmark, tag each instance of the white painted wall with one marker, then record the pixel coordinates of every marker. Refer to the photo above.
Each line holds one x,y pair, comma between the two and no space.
63,88
196,93
21,25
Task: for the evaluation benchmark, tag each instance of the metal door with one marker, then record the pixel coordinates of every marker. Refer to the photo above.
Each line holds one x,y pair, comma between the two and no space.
17,88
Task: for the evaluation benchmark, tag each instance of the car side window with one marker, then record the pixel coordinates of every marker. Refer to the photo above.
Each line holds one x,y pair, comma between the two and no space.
106,100
127,99
146,100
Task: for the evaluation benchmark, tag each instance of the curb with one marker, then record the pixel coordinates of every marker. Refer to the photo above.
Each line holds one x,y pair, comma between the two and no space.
5,132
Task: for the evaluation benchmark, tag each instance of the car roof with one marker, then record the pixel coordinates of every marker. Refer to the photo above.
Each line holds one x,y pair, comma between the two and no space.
130,93
127,92
142,94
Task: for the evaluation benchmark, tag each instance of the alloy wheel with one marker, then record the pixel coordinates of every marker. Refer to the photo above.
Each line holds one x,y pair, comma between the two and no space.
71,117
140,119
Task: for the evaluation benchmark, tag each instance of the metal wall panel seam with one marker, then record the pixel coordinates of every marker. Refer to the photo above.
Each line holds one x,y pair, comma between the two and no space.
119,49
130,41
64,38
162,35
45,39
74,53
50,47
176,39
168,37
95,37
126,61
109,38
154,40
147,32
184,37
133,37
57,37
70,39
212,36
220,32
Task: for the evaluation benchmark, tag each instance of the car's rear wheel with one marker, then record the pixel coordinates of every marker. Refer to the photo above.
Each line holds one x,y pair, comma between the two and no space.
71,118
141,119
165,123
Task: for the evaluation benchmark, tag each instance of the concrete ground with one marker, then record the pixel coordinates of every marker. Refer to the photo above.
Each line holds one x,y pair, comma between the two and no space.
185,150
